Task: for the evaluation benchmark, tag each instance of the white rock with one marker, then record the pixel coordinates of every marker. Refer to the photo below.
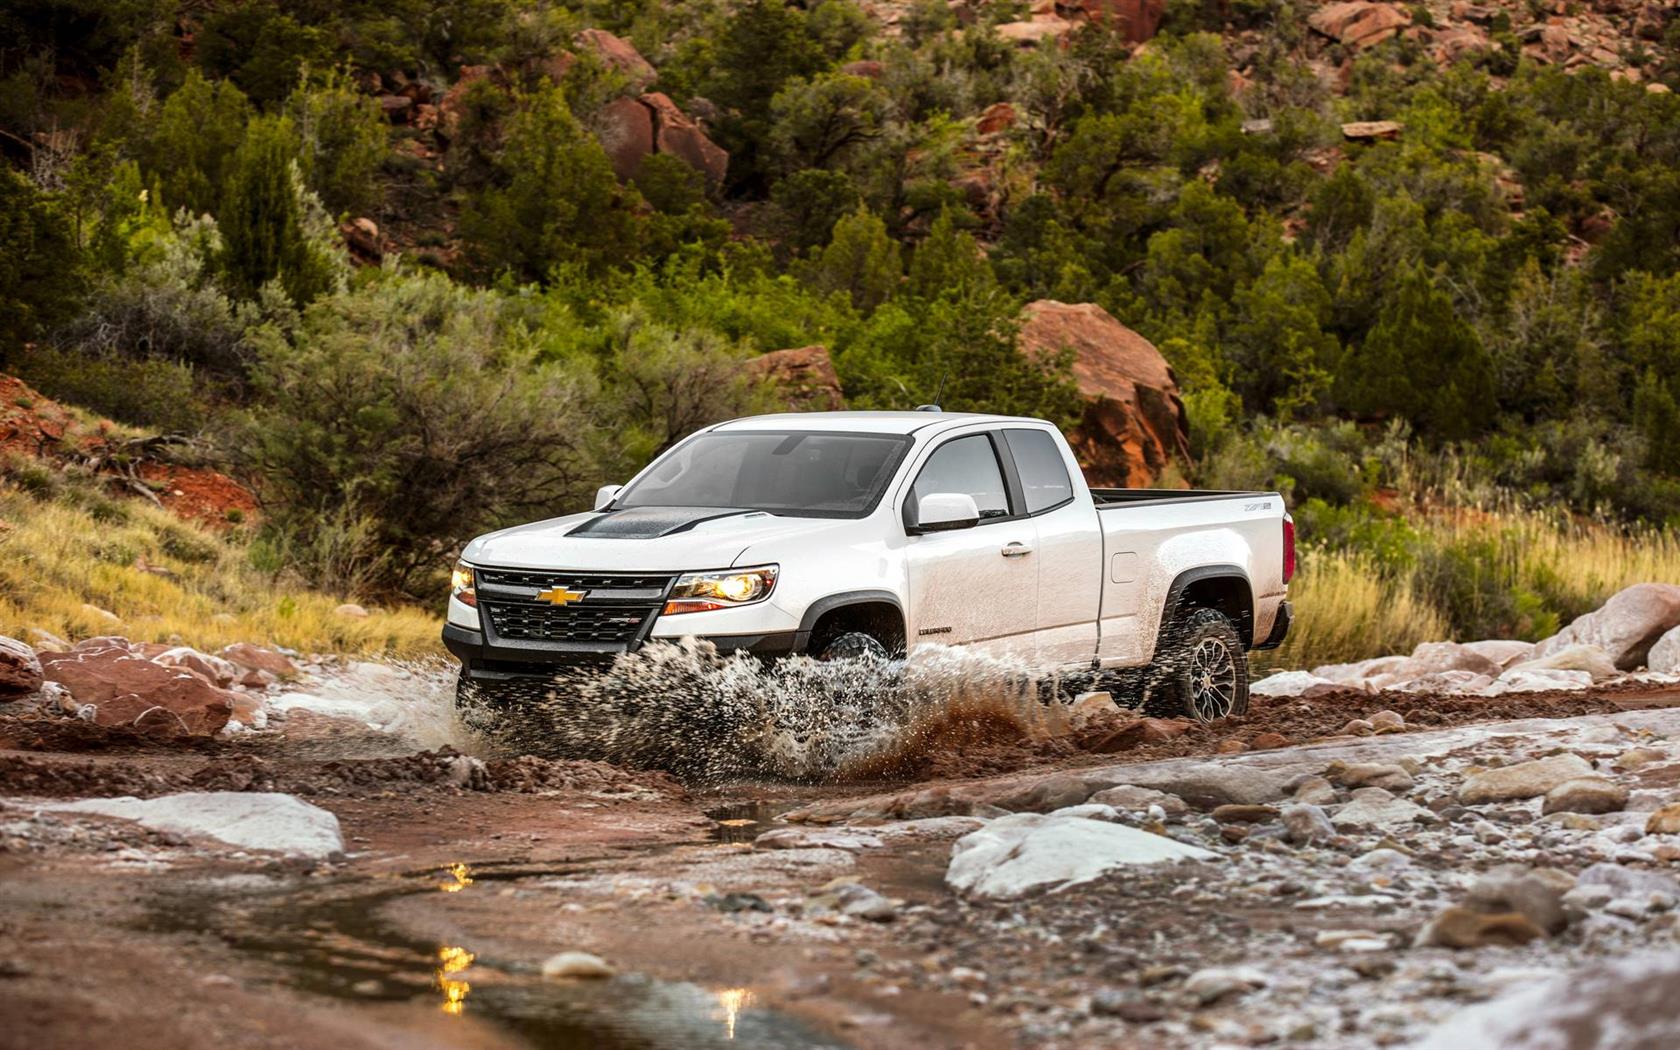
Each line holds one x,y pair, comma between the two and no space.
1443,682
1503,652
1357,673
1139,799
576,965
1517,680
1435,657
1216,983
1375,807
927,829
1017,854
251,819
1287,683
1589,658
1626,627
1523,780
818,838
1665,655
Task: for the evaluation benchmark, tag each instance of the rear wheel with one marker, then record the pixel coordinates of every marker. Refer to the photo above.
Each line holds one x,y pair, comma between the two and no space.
1202,672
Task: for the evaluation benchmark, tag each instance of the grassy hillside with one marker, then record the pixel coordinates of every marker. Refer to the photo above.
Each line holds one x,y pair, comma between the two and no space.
415,270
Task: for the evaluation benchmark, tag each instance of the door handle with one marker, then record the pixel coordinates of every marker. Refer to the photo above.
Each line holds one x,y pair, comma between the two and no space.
1016,550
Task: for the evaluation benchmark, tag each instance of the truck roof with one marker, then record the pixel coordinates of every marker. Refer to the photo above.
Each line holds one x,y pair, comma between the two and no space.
864,422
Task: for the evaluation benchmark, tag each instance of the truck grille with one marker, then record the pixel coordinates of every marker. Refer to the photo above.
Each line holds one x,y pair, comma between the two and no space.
612,613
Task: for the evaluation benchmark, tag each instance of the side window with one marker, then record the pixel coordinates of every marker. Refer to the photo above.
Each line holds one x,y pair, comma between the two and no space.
965,465
1044,476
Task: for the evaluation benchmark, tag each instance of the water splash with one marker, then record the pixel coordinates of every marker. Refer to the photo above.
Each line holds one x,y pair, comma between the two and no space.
685,709
404,706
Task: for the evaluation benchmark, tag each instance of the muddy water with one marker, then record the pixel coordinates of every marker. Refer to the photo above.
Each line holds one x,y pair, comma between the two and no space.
342,940
710,719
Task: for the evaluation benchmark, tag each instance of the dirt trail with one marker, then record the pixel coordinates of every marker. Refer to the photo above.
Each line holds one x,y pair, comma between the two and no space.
463,873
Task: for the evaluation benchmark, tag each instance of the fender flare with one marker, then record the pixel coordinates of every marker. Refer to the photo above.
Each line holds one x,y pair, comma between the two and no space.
1182,582
823,606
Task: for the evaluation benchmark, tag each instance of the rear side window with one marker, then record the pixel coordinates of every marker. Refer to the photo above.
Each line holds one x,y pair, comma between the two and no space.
966,465
1044,476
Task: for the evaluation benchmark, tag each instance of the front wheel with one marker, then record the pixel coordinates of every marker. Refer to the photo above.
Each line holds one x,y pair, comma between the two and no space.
1202,672
853,645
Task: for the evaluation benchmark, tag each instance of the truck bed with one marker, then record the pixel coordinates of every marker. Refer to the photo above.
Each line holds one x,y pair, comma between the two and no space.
1108,499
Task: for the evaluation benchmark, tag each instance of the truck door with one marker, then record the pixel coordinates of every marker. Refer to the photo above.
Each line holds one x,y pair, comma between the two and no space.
1069,553
975,586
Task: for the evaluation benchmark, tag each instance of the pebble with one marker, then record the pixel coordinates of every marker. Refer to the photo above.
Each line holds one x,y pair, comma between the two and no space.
1487,833
1665,821
578,965
1315,791
1585,795
1523,780
1459,927
1385,775
1387,720
1215,983
1243,814
1305,823
1127,1006
1536,893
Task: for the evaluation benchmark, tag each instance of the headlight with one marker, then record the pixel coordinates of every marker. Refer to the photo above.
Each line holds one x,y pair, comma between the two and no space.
463,585
702,591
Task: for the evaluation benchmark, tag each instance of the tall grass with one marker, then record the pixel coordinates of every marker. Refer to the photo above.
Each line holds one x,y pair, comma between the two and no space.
64,549
1465,574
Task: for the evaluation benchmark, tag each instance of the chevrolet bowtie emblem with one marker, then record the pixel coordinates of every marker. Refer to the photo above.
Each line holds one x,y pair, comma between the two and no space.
560,596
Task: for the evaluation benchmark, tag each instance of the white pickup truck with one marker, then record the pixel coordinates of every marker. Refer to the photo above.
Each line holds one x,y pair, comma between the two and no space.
857,534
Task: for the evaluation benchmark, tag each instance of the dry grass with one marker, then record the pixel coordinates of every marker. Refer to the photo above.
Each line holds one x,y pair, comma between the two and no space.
1530,573
59,557
1345,609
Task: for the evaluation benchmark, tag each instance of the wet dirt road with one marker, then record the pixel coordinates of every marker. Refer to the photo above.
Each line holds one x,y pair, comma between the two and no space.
432,929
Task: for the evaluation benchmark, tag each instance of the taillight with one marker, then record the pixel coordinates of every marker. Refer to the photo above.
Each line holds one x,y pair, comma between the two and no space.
1288,548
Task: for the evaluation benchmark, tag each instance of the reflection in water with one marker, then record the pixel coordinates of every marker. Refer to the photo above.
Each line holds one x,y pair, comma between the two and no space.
733,1001
460,877
451,961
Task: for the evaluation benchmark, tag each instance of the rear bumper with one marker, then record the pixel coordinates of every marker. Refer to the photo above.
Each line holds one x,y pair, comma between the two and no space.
1280,627
481,659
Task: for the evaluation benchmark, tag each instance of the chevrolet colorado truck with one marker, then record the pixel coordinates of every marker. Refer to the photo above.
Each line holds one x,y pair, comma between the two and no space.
868,534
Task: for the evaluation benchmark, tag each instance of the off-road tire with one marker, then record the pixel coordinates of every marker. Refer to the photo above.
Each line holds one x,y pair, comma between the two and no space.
852,645
1201,671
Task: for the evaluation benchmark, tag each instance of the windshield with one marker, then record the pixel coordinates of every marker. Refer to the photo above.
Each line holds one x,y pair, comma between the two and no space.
809,474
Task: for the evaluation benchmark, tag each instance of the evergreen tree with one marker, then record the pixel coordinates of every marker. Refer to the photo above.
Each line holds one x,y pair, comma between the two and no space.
1421,362
261,217
41,272
862,261
554,199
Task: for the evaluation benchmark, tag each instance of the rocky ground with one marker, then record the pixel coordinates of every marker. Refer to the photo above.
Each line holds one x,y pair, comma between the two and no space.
1360,861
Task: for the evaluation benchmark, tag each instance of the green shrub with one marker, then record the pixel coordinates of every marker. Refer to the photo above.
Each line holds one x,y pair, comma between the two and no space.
413,401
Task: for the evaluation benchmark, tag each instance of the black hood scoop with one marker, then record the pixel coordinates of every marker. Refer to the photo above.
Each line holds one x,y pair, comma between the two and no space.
649,523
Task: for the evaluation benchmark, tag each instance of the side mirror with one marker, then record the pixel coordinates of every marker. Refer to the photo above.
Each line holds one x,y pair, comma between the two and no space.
946,512
605,495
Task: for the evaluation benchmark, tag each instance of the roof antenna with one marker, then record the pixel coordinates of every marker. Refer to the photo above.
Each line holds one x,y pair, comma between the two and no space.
937,395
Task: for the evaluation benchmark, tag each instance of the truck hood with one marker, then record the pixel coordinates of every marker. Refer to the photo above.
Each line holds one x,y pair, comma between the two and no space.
642,539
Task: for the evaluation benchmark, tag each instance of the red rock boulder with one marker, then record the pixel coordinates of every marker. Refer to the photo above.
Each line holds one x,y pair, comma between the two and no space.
805,376
1133,427
1359,24
256,658
1137,20
20,670
619,54
128,689
630,129
677,134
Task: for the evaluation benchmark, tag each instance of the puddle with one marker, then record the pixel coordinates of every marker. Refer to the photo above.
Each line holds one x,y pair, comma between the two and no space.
337,940
745,821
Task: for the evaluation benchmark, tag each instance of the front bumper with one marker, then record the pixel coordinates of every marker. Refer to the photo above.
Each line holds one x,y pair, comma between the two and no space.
482,659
